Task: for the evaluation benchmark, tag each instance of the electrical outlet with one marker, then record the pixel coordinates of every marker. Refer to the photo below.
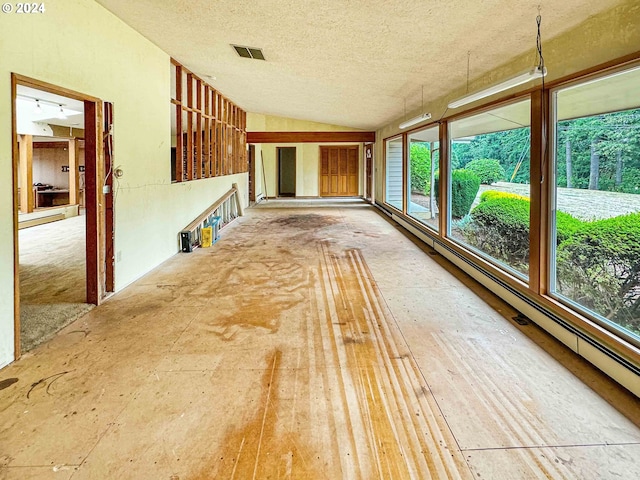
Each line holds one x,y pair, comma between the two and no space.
118,255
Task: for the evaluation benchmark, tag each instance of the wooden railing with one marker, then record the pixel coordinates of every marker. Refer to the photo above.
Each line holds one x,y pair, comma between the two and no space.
222,212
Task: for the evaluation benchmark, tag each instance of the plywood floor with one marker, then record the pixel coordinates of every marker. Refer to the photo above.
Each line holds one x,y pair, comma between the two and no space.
310,344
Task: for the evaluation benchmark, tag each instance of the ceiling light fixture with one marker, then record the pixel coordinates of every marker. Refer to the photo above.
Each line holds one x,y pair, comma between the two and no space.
420,118
528,76
61,115
539,71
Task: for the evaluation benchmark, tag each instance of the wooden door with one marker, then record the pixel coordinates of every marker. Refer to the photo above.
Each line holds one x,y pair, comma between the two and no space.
339,167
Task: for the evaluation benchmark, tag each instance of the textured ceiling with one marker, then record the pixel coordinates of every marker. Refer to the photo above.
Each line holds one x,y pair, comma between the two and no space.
350,63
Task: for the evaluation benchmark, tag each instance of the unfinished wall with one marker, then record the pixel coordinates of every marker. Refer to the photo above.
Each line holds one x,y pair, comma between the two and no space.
307,154
79,45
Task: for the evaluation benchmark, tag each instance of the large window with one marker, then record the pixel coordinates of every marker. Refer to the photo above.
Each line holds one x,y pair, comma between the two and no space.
393,177
595,260
424,153
489,185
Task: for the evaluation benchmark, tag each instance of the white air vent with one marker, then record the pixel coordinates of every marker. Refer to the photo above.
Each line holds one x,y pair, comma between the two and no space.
249,52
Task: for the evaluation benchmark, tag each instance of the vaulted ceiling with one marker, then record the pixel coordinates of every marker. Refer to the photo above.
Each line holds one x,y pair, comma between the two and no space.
351,63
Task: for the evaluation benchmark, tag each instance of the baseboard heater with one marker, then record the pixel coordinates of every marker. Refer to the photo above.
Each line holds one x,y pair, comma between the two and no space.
222,212
583,344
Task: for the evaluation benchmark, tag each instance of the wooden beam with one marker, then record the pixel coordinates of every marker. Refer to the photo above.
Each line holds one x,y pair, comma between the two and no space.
310,137
26,173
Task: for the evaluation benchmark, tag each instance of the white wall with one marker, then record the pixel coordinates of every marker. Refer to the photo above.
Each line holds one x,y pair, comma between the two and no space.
307,154
79,45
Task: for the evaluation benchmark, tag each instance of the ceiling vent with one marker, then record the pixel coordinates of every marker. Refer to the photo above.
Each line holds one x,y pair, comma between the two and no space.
249,52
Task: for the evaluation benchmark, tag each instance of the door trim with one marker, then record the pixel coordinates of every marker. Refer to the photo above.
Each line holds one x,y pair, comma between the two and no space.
94,199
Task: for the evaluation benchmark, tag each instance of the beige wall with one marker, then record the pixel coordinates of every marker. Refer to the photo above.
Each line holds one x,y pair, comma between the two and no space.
599,39
79,45
307,154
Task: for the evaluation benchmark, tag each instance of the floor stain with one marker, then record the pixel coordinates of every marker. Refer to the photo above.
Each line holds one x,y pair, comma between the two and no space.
7,382
261,448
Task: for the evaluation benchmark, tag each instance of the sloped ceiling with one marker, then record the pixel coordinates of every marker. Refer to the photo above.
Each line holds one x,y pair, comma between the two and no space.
351,63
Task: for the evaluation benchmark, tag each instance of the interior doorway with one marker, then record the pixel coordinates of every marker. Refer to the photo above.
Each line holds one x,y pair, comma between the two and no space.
286,171
59,256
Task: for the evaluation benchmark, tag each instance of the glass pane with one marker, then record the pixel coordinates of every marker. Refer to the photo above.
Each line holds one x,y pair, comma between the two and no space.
424,152
489,185
393,178
596,232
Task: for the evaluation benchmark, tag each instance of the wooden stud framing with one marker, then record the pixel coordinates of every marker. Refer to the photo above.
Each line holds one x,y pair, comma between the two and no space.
179,127
212,141
109,224
189,127
198,133
207,132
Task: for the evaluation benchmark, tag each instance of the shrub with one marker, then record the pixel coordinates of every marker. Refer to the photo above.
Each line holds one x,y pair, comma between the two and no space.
599,267
464,188
488,169
500,227
491,194
420,159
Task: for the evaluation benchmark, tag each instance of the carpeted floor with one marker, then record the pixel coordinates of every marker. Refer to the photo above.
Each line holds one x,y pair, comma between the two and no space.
52,279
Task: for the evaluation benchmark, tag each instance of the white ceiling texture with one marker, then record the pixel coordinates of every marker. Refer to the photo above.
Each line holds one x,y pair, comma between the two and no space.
351,62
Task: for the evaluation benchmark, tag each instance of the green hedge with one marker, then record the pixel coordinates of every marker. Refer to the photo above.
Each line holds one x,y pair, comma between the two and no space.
500,227
464,188
420,163
488,170
599,267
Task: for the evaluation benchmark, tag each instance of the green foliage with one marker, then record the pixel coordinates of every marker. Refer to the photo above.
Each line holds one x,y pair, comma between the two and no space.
500,227
616,140
599,267
491,194
464,188
488,169
420,158
509,147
